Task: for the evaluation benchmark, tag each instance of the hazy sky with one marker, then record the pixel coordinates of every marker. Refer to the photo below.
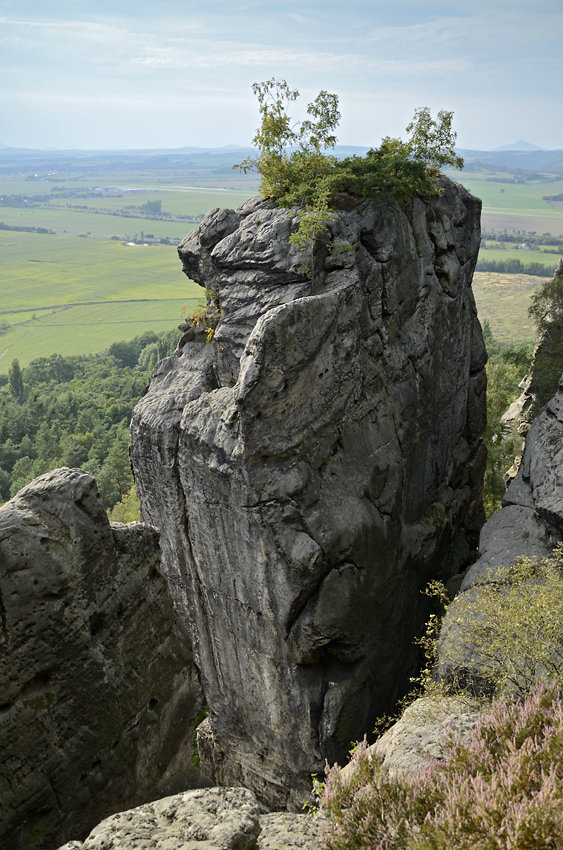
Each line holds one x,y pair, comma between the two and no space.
165,73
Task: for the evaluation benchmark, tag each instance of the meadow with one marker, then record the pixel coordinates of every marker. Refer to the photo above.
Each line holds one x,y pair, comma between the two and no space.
515,206
47,282
503,301
500,251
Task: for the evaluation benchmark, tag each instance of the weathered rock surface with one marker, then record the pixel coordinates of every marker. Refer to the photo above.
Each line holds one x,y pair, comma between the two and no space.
547,364
423,732
313,467
531,519
530,524
215,819
95,670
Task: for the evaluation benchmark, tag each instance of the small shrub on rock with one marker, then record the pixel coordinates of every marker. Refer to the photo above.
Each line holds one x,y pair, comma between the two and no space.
512,627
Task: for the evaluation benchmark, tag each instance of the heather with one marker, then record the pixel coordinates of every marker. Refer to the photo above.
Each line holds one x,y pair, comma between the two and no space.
501,792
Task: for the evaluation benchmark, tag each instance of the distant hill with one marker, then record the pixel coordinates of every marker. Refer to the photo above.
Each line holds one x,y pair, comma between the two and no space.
527,160
508,158
519,146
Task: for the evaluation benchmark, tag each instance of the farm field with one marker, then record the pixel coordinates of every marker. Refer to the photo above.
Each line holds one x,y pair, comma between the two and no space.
511,223
47,280
96,221
86,329
43,271
515,206
503,301
546,259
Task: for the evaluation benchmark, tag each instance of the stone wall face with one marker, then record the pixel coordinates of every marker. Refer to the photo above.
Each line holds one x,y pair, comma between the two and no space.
96,680
313,467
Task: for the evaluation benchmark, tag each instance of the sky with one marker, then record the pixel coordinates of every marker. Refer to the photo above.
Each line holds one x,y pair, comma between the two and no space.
114,74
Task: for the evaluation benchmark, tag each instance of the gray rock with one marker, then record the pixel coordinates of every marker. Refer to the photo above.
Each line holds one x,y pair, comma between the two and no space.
512,532
95,669
422,734
529,524
312,468
531,520
215,819
547,364
285,831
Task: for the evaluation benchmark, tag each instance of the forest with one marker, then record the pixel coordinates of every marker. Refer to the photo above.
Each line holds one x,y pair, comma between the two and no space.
75,411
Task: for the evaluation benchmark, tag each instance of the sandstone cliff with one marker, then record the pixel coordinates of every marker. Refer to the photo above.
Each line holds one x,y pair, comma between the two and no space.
95,670
530,524
313,467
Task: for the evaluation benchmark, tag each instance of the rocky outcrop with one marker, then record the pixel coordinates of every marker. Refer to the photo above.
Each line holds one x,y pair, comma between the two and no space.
312,467
529,524
547,362
216,819
423,733
95,670
530,521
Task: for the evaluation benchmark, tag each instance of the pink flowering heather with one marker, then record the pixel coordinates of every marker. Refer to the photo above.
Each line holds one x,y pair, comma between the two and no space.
502,792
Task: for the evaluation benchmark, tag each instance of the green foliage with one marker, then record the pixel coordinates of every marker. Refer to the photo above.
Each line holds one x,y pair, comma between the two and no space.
15,382
513,266
502,791
546,306
296,170
206,314
546,309
75,411
152,207
290,176
514,625
505,369
128,509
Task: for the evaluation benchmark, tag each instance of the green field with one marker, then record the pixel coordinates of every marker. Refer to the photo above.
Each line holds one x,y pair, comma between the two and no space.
513,197
515,206
46,280
546,259
503,301
62,219
52,277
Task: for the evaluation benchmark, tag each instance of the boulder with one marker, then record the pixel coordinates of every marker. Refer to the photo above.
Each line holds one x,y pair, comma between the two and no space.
215,819
423,732
96,676
312,467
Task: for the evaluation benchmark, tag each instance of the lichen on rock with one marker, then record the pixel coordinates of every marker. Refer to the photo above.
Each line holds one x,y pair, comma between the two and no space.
313,467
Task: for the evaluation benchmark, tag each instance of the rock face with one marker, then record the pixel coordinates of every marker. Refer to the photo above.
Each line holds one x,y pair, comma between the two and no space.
95,670
530,523
313,467
547,363
531,519
215,819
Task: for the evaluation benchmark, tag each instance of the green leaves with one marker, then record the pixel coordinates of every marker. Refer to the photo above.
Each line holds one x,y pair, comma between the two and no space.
432,142
289,174
297,170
